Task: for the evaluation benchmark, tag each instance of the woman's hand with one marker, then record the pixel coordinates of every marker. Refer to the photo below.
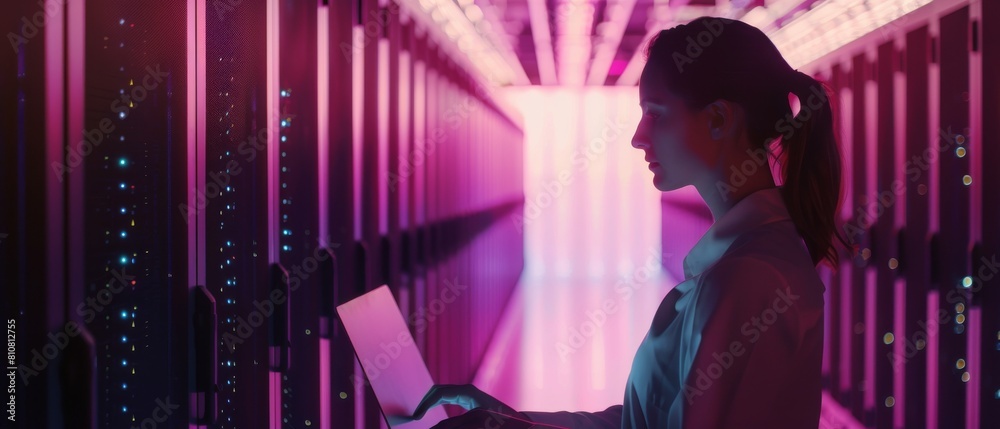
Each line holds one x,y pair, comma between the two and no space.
485,410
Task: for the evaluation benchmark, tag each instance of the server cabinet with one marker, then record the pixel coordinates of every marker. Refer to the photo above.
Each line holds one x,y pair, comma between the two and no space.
911,350
986,292
339,199
237,151
883,205
914,117
952,191
129,202
838,375
33,140
859,283
301,247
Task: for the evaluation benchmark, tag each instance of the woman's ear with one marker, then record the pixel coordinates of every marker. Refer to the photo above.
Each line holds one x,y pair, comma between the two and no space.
721,119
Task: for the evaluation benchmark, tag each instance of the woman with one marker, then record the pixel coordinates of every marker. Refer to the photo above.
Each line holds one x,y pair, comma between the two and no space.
739,343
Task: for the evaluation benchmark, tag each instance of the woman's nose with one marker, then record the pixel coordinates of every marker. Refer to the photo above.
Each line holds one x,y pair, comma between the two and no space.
639,140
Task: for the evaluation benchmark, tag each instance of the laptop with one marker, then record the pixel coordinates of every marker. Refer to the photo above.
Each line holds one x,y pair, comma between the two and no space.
389,357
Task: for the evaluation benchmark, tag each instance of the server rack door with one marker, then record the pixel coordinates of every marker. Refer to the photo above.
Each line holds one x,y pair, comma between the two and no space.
915,260
34,168
422,139
135,265
404,168
986,267
300,243
372,21
834,310
391,153
973,281
884,258
430,193
236,206
858,280
953,251
340,204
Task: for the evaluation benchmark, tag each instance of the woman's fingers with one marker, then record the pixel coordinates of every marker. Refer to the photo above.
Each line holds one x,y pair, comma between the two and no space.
481,418
463,395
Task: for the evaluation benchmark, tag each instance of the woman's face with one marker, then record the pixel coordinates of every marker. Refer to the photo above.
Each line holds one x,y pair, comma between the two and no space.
675,138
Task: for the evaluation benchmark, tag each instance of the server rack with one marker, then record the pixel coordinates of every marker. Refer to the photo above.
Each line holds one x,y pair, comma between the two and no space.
912,333
239,193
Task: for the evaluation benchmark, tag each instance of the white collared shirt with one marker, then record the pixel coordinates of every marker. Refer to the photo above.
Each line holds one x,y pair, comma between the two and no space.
738,343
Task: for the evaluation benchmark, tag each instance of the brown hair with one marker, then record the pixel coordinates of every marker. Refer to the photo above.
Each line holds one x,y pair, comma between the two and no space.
712,58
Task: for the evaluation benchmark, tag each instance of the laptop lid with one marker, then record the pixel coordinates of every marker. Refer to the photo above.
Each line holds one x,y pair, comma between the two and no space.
390,359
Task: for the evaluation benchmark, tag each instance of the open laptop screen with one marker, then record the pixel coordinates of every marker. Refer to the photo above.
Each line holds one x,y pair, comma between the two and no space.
390,359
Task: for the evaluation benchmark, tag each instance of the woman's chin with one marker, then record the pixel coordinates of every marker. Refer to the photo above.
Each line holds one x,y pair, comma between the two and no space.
661,183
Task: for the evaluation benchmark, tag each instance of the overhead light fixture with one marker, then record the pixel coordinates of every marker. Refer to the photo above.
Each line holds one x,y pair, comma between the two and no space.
542,36
832,24
454,24
609,39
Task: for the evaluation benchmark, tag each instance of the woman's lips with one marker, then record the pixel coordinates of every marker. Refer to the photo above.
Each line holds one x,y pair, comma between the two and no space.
653,165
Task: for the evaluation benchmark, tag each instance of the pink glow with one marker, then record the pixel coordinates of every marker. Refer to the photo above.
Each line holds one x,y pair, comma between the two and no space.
584,136
383,135
617,67
273,116
323,118
274,401
357,117
404,138
419,138
612,198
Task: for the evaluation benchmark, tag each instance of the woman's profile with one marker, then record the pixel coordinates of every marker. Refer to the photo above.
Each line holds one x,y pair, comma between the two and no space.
738,343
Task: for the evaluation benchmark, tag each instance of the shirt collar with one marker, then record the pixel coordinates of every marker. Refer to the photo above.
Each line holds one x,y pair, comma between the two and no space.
756,209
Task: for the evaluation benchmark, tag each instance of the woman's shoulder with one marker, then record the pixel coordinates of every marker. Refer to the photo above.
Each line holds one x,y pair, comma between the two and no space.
771,260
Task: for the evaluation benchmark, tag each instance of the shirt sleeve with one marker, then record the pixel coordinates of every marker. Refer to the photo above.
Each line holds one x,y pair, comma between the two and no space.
746,347
611,418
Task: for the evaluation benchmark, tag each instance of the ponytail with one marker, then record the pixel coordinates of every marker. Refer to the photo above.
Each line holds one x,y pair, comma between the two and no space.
811,170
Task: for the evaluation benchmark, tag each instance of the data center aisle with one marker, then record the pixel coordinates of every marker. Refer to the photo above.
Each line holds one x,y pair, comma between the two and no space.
592,278
567,344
